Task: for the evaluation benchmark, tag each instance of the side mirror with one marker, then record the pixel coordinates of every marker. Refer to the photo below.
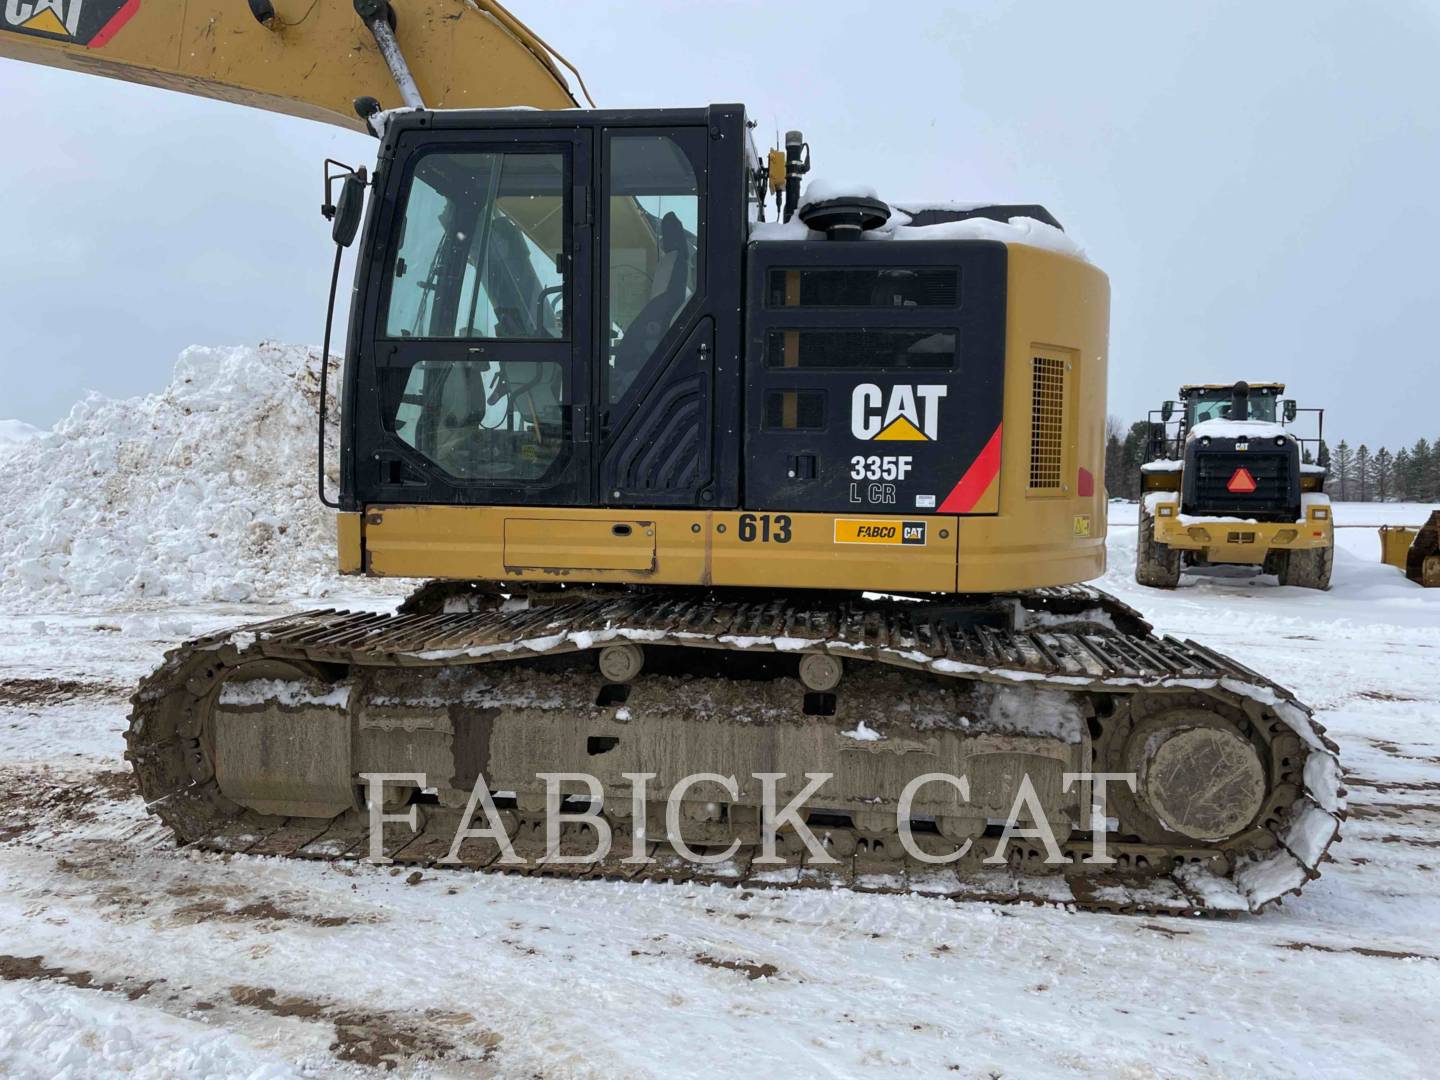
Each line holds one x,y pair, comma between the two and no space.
1167,410
344,213
348,209
1290,410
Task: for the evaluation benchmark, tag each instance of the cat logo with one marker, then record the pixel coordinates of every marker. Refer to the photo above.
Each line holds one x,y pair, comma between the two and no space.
906,414
91,23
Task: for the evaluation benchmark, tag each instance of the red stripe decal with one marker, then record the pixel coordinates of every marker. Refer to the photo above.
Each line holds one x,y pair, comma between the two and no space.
977,478
111,28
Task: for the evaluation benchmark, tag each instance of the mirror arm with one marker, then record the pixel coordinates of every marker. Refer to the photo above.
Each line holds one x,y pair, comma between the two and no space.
325,381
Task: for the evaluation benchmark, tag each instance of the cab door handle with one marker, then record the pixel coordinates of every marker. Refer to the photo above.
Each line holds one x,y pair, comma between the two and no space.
579,423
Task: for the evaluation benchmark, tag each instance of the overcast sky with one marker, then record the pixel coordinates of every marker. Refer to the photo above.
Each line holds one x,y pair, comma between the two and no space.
1261,181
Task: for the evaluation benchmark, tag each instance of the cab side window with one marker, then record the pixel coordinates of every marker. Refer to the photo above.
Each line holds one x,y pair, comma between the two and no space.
653,249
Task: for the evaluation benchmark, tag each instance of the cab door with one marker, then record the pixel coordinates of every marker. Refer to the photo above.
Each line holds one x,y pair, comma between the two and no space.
481,334
659,371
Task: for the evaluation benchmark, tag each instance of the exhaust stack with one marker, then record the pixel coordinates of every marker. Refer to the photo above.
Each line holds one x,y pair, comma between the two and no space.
1240,401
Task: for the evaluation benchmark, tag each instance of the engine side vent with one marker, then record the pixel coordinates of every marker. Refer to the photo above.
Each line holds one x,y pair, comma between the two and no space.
1047,423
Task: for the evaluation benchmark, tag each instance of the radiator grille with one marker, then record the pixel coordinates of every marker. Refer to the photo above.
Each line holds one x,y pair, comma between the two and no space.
1209,493
1047,422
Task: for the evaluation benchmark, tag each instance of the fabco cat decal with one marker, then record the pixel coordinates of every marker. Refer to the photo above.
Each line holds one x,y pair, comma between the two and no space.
91,23
879,531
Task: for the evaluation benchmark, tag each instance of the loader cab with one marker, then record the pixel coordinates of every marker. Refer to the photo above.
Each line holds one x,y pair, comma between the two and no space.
1204,403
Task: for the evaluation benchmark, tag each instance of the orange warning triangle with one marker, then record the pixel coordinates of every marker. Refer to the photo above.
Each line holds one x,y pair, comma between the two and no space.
46,22
901,430
1241,482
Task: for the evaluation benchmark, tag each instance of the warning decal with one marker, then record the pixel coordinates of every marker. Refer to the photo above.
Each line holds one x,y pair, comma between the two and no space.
874,531
1241,482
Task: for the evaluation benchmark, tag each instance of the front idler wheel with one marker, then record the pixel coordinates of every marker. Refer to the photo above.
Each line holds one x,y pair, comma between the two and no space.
1196,776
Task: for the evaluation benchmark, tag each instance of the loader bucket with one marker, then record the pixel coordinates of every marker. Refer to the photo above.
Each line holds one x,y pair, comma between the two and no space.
1422,562
1395,543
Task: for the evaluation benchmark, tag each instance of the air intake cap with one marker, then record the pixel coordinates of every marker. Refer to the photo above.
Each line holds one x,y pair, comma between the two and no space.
845,217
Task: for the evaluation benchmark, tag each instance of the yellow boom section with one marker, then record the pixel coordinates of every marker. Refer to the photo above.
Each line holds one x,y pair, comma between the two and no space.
311,59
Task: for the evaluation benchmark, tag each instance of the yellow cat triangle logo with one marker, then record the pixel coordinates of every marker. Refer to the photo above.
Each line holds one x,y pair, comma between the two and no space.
46,22
901,430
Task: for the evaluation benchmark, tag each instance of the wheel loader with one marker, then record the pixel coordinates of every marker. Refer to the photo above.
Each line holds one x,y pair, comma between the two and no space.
718,513
1224,483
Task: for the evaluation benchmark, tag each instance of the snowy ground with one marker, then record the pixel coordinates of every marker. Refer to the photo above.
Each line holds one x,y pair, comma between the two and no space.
121,955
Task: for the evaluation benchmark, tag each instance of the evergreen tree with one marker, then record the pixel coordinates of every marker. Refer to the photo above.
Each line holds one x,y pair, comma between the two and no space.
1384,473
1323,457
1340,475
1114,470
1132,455
1420,455
1430,477
1364,475
1401,474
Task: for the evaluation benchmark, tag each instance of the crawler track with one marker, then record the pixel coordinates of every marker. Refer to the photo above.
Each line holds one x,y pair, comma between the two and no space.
921,679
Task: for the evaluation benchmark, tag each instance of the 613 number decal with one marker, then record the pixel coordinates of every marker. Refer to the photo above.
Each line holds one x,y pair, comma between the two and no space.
765,528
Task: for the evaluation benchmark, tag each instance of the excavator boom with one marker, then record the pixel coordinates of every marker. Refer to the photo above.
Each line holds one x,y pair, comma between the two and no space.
306,58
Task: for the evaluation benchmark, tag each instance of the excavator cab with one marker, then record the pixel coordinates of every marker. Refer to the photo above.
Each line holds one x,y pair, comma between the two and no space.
518,320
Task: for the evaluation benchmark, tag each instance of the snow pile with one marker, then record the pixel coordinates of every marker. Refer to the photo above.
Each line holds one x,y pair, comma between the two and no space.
16,433
205,491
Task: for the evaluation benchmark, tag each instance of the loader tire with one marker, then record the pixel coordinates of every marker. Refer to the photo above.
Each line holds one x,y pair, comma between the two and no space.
1307,569
1156,564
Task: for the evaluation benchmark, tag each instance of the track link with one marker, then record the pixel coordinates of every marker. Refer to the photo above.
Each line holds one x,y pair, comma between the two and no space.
1072,641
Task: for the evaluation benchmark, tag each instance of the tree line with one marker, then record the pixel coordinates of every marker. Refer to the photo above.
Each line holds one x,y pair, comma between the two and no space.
1410,474
1357,474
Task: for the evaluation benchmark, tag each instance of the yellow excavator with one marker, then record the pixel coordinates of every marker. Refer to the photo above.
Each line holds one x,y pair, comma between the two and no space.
719,513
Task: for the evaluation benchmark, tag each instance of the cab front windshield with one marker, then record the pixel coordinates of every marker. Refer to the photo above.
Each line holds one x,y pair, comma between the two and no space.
1219,405
483,256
